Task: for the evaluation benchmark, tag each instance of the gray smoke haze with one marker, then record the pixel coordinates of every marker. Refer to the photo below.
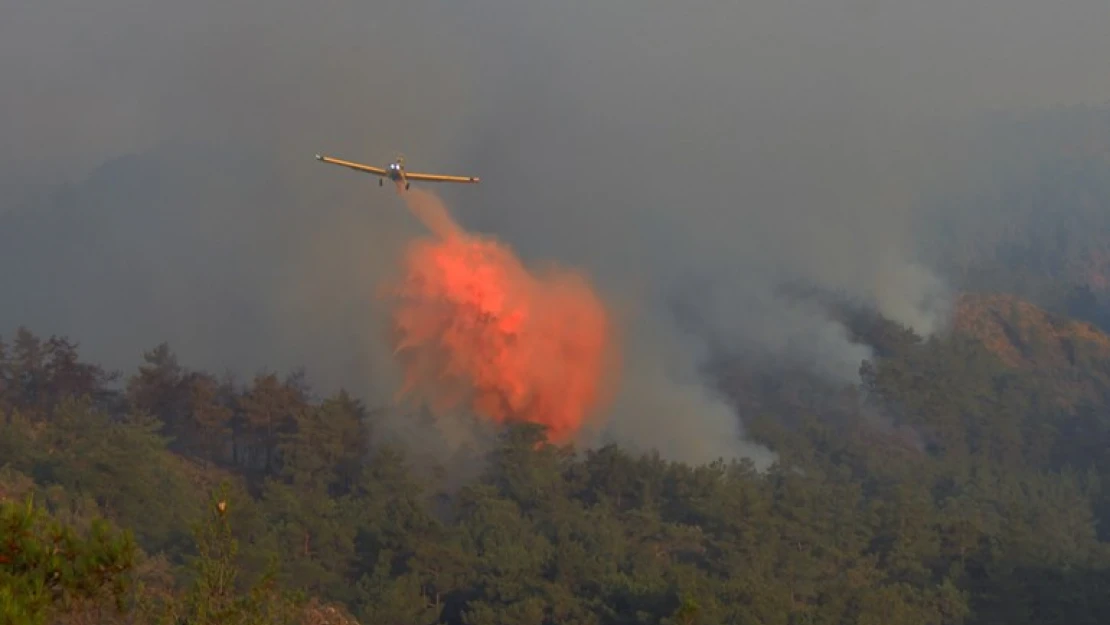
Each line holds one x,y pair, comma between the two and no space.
656,145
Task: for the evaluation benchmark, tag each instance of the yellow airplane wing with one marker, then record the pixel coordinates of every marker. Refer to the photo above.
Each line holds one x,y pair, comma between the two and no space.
377,171
440,178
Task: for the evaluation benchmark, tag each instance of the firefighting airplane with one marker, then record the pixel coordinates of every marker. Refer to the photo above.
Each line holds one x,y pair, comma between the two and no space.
397,172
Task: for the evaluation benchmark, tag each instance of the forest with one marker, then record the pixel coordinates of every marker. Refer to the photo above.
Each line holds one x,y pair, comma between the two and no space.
966,480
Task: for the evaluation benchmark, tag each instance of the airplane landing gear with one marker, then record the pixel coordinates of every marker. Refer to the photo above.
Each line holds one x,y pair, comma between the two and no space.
406,186
380,182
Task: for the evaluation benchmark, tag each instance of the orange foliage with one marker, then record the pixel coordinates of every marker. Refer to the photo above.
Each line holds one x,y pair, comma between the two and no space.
1007,325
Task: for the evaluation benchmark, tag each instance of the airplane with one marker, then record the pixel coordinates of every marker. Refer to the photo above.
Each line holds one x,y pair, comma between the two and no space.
396,172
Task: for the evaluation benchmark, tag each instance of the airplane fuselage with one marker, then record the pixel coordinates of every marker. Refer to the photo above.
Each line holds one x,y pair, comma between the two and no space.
396,172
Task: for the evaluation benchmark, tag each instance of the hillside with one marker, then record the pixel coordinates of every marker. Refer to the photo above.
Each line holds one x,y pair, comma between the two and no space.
962,486
1022,334
962,482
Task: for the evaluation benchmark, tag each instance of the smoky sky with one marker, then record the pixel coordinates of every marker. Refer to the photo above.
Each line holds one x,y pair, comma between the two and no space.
158,181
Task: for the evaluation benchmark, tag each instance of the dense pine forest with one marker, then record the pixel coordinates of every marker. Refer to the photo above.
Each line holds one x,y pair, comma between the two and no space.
966,480
964,484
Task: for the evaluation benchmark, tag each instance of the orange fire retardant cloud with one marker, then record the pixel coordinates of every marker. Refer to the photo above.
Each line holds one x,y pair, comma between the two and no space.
472,326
